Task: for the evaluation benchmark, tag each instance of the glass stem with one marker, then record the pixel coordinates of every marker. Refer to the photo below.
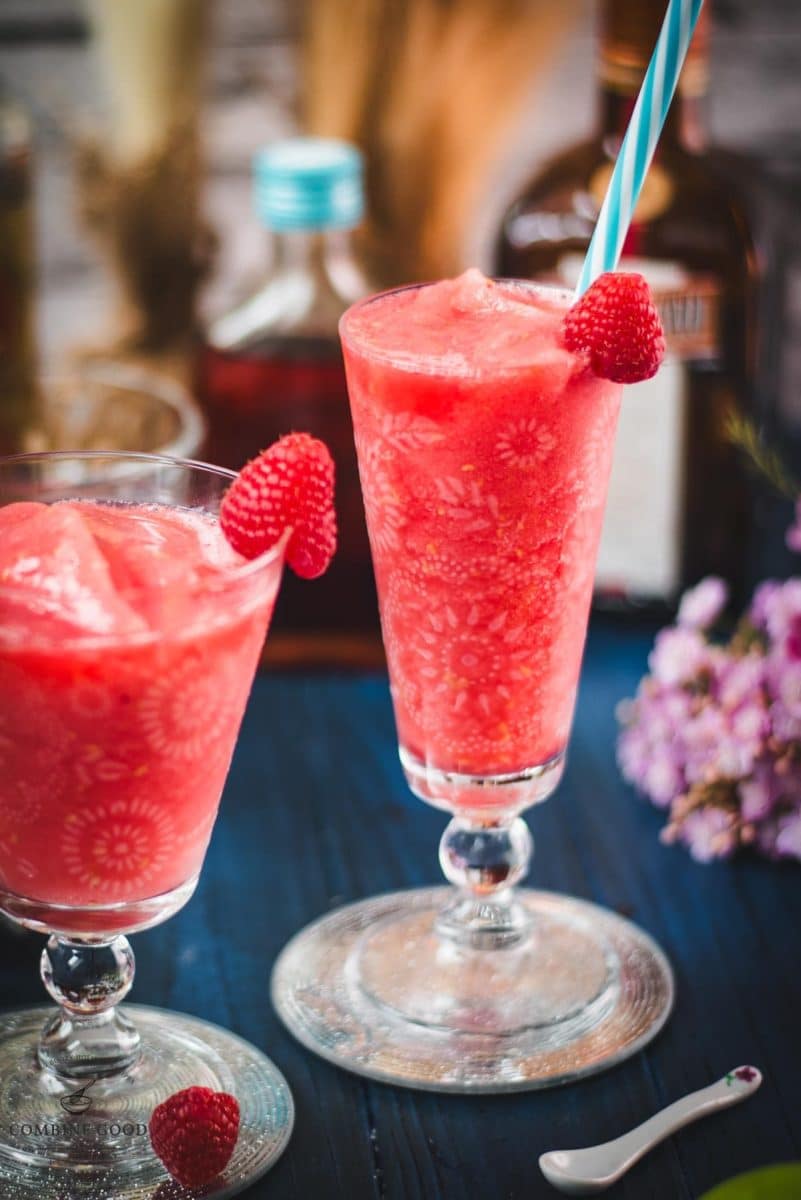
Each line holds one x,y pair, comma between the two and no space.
88,1037
484,860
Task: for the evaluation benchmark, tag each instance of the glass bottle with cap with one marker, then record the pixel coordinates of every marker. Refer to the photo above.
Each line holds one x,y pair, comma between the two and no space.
680,499
274,365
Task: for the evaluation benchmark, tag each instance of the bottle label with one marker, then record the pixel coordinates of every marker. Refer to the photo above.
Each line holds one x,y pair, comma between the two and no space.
640,552
656,194
691,317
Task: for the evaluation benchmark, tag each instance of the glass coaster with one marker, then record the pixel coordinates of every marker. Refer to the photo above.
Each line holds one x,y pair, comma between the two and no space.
374,988
89,1140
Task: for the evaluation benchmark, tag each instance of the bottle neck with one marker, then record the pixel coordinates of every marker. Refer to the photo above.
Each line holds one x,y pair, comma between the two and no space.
684,125
627,36
310,249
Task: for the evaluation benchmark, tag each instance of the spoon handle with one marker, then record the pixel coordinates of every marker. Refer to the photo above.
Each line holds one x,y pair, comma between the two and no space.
624,1151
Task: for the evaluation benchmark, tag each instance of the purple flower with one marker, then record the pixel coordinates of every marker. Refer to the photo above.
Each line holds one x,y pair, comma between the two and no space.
788,781
765,840
758,794
662,711
713,751
677,705
762,602
708,833
787,682
739,679
780,835
702,605
750,724
714,734
662,778
793,643
678,655
782,609
648,751
788,835
793,536
785,727
633,753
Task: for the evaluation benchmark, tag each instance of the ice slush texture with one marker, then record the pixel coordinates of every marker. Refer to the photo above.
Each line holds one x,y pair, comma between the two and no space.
125,663
484,448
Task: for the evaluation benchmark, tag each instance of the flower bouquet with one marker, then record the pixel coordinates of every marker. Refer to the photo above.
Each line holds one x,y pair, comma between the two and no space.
713,735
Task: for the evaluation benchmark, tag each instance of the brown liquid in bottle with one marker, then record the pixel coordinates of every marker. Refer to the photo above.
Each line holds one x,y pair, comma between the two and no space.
251,399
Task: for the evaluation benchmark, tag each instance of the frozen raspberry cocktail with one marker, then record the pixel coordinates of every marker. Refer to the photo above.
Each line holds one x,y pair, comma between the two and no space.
135,595
484,414
125,664
485,448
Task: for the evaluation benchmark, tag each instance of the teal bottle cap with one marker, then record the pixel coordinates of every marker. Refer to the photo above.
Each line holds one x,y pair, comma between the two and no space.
309,183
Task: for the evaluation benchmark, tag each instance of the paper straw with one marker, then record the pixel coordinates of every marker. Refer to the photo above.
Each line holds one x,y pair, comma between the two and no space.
640,141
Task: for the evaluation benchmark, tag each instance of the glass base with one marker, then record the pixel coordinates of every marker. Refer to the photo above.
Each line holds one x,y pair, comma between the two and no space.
99,921
89,1140
373,988
482,796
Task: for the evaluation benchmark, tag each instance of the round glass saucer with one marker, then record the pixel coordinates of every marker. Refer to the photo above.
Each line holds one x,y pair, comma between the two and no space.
373,988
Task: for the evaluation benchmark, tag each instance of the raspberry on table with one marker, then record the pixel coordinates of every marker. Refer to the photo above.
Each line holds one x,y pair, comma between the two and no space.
617,325
194,1133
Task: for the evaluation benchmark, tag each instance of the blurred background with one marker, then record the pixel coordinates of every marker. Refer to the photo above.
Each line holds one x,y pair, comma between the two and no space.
161,290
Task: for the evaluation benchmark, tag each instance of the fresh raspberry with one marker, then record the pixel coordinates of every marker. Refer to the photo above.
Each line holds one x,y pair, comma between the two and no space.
290,485
616,323
194,1133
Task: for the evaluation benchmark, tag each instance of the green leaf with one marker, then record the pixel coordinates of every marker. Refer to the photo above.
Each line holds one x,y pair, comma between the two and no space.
769,1183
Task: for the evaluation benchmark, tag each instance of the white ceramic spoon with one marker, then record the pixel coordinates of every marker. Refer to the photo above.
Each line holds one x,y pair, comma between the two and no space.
585,1172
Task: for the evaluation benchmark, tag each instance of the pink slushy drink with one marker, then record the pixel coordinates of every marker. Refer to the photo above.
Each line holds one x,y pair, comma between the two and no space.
485,448
129,637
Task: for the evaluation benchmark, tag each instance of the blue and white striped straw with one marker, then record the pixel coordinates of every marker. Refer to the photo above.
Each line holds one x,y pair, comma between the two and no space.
640,141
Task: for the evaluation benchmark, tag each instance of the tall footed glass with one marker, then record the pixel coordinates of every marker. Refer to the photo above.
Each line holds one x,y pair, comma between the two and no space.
129,637
484,449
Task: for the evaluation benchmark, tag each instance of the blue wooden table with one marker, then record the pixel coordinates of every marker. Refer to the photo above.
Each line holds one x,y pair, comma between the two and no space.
316,813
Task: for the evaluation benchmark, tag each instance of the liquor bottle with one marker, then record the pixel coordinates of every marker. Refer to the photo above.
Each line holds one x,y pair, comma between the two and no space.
679,500
17,334
274,365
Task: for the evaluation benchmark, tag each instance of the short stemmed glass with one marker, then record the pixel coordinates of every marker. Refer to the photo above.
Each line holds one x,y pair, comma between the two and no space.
484,484
114,750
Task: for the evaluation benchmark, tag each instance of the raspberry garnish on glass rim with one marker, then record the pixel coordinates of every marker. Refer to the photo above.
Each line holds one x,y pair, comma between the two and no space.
288,486
617,325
